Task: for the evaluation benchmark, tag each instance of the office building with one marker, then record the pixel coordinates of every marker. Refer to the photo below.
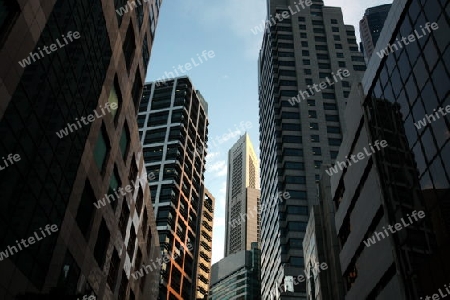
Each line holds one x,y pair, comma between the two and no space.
242,198
300,53
70,117
370,28
204,246
321,246
404,185
173,122
237,276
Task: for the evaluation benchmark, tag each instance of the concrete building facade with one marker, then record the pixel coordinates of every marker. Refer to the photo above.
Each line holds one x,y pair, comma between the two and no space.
299,54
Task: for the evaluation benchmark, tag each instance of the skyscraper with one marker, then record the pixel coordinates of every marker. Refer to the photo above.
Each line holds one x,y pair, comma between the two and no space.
393,244
204,246
370,28
67,118
242,198
173,122
308,60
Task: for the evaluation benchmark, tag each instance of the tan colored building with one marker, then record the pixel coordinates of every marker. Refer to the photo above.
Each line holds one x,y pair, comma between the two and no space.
242,198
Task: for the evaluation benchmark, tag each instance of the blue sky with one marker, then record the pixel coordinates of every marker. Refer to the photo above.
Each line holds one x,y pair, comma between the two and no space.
228,81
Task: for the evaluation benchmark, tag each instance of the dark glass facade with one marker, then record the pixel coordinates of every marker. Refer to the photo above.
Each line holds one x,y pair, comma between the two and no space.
416,80
59,178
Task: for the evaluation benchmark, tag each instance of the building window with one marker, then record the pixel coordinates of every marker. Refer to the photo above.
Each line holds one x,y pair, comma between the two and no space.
131,242
302,27
124,143
333,129
311,102
345,83
123,219
322,56
114,266
329,106
315,138
335,29
114,184
317,151
294,165
297,226
317,164
115,96
334,142
306,62
292,139
334,21
303,35
338,46
314,126
296,261
307,71
102,149
328,96
308,81
129,46
137,90
139,201
358,58
305,52
312,114
342,64
320,39
359,67
101,245
304,44
332,118
324,66
318,30
85,210
296,179
336,37
339,55
334,154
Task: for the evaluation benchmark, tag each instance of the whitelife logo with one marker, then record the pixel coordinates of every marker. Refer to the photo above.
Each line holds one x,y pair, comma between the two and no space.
31,240
187,67
53,47
11,158
360,156
265,25
423,123
323,85
110,107
411,38
398,226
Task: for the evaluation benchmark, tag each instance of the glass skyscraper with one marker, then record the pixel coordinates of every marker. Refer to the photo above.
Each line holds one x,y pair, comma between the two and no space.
68,164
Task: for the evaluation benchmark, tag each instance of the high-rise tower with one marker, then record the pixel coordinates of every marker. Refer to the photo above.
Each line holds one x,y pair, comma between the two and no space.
308,61
173,121
67,115
370,27
242,199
